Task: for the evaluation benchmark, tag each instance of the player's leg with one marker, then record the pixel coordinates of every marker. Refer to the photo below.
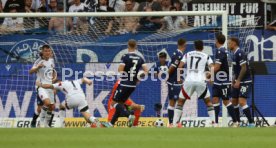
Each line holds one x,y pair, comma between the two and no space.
173,97
201,88
225,91
216,101
120,96
235,101
51,107
137,108
37,111
45,108
244,91
185,93
62,113
171,104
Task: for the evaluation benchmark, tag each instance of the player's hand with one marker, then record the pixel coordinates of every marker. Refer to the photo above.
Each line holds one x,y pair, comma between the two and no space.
37,83
180,81
237,84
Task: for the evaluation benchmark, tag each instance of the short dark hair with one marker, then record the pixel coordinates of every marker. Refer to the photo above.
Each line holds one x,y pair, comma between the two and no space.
181,42
132,43
198,45
162,55
220,38
45,46
236,40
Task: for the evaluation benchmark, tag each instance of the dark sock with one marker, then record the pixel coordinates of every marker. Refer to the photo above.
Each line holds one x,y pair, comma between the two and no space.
247,113
217,110
120,112
35,116
237,113
51,120
231,112
170,115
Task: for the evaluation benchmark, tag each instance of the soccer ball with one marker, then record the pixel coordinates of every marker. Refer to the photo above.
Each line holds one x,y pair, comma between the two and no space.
159,123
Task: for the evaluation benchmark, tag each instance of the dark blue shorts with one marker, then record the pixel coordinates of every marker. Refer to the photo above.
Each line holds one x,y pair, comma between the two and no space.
122,93
174,91
222,91
242,92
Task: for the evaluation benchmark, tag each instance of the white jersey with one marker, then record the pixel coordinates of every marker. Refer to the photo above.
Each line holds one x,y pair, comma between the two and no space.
70,88
196,62
44,74
174,24
75,8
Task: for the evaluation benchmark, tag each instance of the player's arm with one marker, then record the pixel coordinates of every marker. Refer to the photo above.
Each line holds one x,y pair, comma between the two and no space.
242,72
46,86
35,68
174,65
242,62
86,81
218,58
211,66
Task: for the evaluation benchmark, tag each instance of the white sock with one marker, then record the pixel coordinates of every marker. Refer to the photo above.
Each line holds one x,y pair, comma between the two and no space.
92,119
211,113
61,117
43,113
177,114
47,118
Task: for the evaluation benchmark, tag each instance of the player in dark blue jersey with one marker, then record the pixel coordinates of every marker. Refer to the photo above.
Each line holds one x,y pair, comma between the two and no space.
162,65
174,87
222,82
242,81
129,67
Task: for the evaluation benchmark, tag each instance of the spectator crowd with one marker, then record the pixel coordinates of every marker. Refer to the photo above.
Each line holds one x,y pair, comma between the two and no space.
82,25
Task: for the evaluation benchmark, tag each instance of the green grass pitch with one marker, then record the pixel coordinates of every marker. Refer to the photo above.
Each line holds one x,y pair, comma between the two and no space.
139,138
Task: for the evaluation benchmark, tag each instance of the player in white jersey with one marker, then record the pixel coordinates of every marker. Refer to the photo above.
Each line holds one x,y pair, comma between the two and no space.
44,69
75,97
195,81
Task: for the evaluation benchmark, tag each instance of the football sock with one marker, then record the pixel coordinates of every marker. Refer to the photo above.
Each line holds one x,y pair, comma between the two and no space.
217,110
177,114
237,112
51,120
44,110
62,115
247,113
92,119
47,118
211,113
231,112
120,112
35,116
137,114
170,114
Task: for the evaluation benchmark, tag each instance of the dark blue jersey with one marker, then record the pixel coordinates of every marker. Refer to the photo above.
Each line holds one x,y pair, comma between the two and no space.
133,63
176,58
222,76
239,58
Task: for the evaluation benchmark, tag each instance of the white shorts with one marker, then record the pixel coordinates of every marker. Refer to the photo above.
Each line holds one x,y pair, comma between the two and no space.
189,88
76,101
46,94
